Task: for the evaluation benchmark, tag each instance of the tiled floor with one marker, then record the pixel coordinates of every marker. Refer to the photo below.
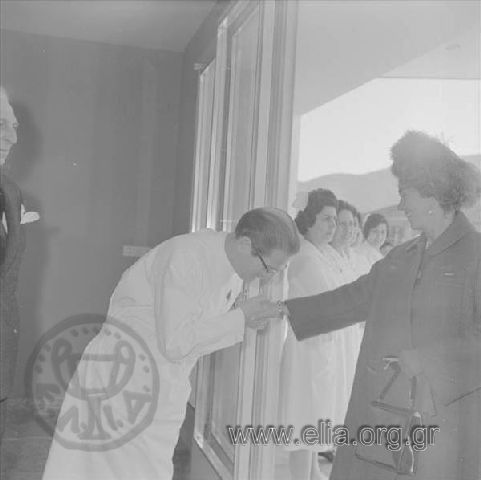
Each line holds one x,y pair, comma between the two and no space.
25,449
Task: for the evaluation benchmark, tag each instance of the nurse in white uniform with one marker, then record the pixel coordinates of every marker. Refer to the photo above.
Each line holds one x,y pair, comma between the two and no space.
348,340
375,232
178,298
308,368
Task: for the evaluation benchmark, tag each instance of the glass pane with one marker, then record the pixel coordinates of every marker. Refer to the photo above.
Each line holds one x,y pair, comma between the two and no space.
237,199
242,118
225,387
365,73
203,146
205,109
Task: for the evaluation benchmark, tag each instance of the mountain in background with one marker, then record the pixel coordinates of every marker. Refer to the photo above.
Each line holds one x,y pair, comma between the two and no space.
368,192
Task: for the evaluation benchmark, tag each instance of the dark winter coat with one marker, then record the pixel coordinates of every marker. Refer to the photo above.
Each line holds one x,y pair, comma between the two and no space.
12,245
427,304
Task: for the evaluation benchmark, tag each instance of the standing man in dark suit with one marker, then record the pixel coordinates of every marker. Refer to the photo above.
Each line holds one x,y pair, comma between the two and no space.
12,244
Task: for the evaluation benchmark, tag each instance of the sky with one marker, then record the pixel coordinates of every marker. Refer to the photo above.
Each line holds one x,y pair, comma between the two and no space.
354,132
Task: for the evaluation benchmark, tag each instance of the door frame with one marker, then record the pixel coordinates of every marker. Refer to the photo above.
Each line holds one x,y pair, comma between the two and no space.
271,183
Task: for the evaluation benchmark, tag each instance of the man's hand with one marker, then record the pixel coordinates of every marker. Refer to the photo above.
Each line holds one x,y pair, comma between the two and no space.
258,311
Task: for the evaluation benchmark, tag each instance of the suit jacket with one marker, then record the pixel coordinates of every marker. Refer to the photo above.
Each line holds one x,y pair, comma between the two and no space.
426,305
12,247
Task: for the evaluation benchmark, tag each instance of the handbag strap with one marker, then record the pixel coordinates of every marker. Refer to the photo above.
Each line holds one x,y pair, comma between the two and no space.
396,371
394,365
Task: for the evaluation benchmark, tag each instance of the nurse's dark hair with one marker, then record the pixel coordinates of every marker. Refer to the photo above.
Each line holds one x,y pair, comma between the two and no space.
343,205
269,229
372,221
317,200
428,165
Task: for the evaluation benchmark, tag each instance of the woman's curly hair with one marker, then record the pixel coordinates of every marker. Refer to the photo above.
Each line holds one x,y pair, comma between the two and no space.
424,163
372,221
317,200
344,205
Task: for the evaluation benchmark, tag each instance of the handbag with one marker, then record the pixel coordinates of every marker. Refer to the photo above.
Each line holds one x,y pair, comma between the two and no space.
404,460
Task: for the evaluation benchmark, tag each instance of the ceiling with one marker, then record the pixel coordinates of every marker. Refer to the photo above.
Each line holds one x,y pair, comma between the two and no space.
457,59
343,44
161,24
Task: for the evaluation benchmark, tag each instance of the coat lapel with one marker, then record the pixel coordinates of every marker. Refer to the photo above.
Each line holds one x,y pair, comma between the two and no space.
415,252
12,216
459,227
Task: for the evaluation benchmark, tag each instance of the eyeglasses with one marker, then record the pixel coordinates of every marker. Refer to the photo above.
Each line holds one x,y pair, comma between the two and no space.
269,270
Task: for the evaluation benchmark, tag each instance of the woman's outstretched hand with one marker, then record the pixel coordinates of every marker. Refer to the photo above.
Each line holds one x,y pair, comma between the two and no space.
258,311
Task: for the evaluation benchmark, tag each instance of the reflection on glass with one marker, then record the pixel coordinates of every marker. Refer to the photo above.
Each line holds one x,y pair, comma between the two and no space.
240,163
